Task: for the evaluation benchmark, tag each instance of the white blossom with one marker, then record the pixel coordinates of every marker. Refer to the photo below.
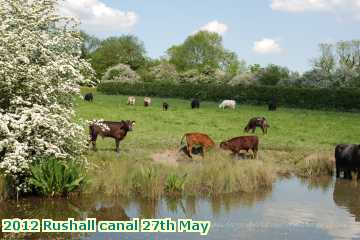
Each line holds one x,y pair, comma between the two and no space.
40,72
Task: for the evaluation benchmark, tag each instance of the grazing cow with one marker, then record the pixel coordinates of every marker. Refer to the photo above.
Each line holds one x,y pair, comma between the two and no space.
257,122
89,97
197,139
228,104
347,159
272,104
241,143
116,130
195,103
147,101
131,100
165,106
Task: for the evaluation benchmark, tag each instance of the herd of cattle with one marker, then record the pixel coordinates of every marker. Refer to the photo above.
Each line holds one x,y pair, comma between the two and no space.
347,156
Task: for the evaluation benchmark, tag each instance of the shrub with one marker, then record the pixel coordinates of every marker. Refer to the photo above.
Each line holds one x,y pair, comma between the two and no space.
121,73
174,184
56,178
346,99
146,183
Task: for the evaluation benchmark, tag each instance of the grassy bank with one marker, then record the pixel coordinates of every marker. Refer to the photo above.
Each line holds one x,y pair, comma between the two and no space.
299,142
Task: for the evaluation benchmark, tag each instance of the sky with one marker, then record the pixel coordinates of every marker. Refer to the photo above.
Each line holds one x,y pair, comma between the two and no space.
283,32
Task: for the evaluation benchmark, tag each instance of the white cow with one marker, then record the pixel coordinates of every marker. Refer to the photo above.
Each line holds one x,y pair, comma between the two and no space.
228,104
131,100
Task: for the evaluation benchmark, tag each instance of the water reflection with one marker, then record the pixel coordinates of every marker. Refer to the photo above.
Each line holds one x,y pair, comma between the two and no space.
347,195
318,208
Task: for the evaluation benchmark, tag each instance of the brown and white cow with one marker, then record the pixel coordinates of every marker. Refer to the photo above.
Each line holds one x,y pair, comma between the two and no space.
147,101
257,122
116,130
196,138
242,143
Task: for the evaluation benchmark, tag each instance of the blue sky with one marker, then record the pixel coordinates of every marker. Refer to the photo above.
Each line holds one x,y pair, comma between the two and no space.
287,32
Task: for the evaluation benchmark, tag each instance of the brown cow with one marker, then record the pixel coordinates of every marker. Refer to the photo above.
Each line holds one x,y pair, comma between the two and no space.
116,130
241,143
257,122
197,139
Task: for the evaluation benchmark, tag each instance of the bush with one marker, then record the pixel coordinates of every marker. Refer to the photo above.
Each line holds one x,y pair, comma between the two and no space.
174,184
345,99
56,178
121,73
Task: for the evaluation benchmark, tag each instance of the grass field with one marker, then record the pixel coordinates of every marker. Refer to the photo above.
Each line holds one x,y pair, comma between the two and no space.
298,141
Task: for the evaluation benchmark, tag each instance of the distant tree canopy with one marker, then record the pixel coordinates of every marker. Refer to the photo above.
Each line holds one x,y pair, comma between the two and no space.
203,51
89,44
202,58
270,75
126,49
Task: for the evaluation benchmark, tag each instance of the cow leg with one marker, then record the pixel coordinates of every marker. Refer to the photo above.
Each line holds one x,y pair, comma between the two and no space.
189,149
262,129
255,150
93,141
337,172
253,130
117,143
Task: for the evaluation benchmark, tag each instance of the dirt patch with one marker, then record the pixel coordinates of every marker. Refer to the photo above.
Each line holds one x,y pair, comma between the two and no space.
168,157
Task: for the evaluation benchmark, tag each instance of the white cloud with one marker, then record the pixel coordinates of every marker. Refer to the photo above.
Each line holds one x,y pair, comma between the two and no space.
215,26
340,7
96,15
266,46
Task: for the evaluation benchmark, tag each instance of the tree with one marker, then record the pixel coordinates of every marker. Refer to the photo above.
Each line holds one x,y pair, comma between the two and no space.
271,75
89,45
121,73
40,74
203,51
126,49
164,72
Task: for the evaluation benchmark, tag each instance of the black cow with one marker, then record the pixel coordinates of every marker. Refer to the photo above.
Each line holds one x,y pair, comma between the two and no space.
165,106
195,103
347,159
88,97
272,104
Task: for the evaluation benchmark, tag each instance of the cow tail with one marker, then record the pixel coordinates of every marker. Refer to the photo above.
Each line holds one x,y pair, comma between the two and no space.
182,139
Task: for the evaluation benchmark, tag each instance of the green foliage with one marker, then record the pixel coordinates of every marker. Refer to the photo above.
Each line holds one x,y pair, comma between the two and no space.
174,184
53,177
202,51
146,182
126,49
271,75
346,99
89,44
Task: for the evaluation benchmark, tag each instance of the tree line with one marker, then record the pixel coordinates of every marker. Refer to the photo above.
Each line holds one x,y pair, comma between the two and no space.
202,58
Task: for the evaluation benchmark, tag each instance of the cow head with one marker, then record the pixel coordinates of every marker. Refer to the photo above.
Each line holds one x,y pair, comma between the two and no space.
128,125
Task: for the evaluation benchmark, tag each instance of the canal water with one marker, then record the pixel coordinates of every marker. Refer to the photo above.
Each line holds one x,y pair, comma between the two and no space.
294,209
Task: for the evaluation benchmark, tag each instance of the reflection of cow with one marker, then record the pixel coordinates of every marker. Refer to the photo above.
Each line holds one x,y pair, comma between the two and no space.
347,157
347,195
